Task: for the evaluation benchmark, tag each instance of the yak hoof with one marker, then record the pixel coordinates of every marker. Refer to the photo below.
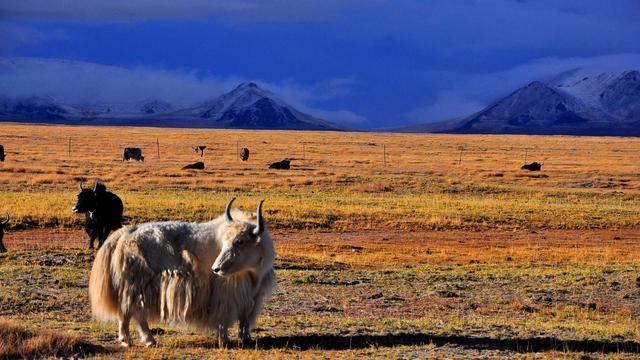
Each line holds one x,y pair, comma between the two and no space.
125,343
151,343
245,341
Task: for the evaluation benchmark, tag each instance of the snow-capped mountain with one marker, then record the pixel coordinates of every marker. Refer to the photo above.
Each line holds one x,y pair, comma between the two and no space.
36,108
577,102
246,107
250,107
32,89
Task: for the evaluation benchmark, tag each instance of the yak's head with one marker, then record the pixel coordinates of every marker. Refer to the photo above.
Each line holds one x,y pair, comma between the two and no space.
241,248
88,198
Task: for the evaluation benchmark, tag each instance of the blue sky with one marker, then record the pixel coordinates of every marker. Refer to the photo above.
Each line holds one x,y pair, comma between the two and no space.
369,64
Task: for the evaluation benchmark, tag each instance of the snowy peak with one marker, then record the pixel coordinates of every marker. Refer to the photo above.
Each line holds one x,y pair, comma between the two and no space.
584,84
579,101
248,106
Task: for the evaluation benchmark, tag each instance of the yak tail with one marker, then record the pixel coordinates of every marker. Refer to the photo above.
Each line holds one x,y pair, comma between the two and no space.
102,294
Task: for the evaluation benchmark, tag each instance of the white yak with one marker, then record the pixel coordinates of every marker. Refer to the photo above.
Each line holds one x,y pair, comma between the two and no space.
210,275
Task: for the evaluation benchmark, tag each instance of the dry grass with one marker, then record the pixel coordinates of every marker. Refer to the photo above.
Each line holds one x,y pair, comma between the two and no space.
340,185
557,293
540,265
18,341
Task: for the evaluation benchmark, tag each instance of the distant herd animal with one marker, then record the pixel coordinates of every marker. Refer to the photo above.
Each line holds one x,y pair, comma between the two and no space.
102,209
244,154
195,166
200,149
132,153
1,153
210,275
534,166
281,165
3,224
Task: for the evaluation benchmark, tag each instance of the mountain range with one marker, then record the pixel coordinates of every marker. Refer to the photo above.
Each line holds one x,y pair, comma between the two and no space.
248,106
576,102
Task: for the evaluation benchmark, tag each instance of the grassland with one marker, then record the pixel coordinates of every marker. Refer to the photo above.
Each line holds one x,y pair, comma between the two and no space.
425,255
339,181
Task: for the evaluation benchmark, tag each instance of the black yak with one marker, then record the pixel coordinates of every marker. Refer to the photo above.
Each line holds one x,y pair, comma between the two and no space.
102,209
534,166
196,165
281,165
132,153
244,154
1,153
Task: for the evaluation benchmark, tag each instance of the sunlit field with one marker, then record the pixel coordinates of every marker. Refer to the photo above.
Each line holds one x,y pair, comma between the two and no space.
339,181
388,245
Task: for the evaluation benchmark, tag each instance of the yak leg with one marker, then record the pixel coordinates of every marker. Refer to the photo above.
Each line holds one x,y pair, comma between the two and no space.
123,330
92,239
143,329
223,336
245,332
102,235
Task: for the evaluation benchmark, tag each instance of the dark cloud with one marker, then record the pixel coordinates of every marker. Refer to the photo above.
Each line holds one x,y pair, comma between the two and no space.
388,61
141,10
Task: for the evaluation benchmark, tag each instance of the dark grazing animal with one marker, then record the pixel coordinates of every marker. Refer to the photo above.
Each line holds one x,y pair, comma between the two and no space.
534,166
244,155
102,209
2,226
196,165
281,165
200,149
131,153
1,153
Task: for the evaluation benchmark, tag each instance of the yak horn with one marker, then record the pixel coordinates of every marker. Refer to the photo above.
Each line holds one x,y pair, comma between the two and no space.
259,222
227,210
95,186
6,221
81,188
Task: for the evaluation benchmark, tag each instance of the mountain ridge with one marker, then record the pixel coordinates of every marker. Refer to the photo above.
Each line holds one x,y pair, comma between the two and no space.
575,102
247,106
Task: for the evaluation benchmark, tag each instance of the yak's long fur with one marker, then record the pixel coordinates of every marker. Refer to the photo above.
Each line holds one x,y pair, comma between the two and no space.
163,272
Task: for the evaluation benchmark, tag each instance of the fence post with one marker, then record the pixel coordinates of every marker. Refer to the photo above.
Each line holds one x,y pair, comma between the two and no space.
384,154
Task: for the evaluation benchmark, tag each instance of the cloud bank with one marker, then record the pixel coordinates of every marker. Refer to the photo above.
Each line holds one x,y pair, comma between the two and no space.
85,83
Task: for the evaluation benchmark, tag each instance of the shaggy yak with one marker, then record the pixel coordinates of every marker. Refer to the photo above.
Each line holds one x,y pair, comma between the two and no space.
102,209
196,166
210,275
534,166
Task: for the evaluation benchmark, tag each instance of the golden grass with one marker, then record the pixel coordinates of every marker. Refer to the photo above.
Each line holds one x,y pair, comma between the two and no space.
20,341
342,183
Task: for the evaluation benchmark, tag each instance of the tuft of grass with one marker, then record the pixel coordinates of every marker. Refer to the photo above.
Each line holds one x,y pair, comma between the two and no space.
20,341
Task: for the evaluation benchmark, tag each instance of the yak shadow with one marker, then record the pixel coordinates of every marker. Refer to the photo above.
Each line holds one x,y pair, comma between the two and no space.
521,345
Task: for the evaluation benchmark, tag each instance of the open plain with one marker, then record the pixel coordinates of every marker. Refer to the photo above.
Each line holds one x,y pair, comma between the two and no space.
388,245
